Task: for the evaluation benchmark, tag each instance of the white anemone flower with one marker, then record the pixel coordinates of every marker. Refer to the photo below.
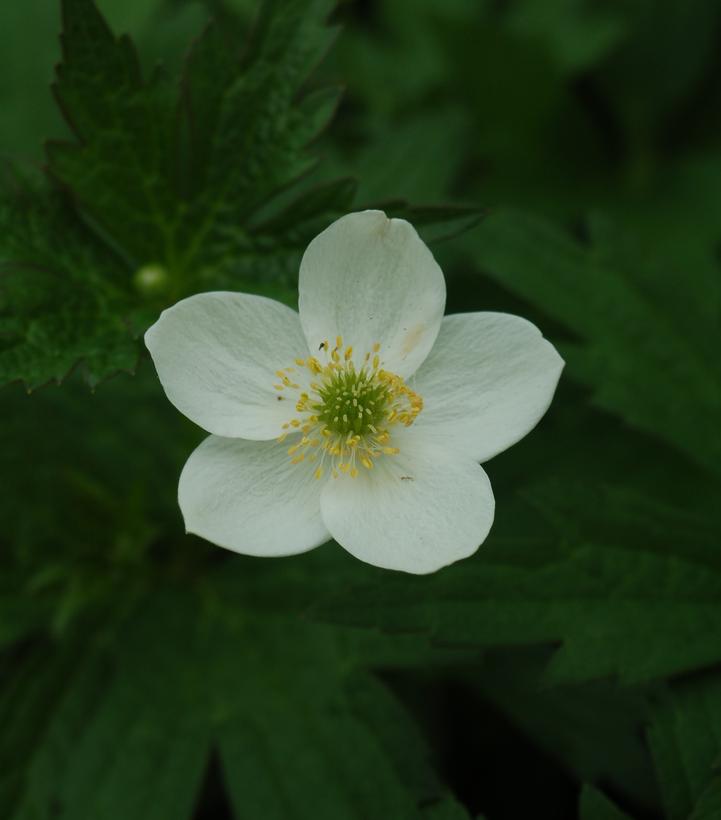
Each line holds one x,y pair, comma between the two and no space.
362,417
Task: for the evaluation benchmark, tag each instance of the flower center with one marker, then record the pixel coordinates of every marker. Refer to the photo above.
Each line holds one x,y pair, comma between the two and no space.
345,417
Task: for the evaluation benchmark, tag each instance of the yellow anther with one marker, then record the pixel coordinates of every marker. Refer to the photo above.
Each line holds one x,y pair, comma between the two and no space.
347,412
354,473
282,437
318,473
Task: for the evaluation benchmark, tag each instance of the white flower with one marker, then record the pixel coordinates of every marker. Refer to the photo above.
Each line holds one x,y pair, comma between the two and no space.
363,417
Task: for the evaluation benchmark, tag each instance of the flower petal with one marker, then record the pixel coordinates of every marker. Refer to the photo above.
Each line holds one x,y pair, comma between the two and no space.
417,511
216,355
371,279
246,496
487,382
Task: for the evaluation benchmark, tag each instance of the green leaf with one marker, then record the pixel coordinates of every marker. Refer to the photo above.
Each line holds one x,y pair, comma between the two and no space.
575,724
576,34
130,733
164,178
596,806
109,746
708,806
685,739
436,223
63,297
615,607
644,355
668,48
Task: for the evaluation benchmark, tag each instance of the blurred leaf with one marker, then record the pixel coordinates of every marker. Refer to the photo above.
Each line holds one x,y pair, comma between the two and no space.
27,55
708,806
595,806
667,48
646,356
101,483
685,738
129,735
436,223
577,33
575,724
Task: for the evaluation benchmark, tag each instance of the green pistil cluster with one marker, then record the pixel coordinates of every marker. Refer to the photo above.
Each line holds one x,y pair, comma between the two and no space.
352,402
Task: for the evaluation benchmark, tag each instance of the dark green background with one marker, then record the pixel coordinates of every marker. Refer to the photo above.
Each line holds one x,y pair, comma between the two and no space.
571,667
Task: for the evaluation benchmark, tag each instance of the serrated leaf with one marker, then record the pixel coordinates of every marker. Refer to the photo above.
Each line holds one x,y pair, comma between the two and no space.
63,297
615,608
164,178
644,356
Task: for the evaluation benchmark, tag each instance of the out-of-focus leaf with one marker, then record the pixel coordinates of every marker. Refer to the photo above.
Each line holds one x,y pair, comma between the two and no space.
281,699
667,48
576,33
644,355
576,724
101,483
685,738
436,222
708,806
596,806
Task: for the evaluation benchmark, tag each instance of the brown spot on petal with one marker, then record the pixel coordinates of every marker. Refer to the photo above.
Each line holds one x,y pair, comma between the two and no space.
412,339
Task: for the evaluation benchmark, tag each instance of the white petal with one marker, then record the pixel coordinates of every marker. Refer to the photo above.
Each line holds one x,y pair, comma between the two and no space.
486,383
417,511
248,497
216,355
371,279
